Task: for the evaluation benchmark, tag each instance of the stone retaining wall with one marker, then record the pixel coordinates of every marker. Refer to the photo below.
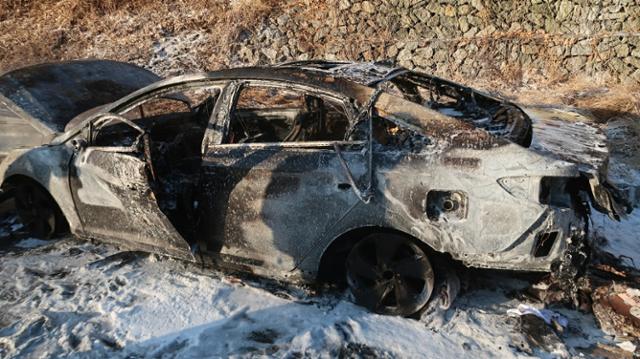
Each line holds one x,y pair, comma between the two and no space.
509,40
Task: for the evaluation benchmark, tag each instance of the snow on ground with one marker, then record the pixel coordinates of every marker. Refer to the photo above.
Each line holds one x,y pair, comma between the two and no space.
73,298
622,238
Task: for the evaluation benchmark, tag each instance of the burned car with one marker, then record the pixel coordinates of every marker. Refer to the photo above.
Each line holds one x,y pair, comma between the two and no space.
357,171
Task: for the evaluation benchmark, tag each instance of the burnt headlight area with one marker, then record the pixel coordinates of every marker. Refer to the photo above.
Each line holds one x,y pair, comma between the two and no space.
446,205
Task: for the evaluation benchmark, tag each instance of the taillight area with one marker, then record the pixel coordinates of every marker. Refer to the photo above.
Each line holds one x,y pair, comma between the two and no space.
557,191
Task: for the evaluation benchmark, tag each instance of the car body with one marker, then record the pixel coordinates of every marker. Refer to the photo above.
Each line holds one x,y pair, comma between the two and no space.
284,171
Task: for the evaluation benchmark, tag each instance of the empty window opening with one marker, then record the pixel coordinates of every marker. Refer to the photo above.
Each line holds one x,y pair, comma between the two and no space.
265,114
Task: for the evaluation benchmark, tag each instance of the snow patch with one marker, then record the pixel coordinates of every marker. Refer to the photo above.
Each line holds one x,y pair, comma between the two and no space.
31,243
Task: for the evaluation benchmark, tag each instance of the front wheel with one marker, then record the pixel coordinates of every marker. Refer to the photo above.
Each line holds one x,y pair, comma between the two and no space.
38,212
389,274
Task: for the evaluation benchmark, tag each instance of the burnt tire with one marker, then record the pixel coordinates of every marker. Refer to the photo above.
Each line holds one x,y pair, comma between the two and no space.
517,124
38,211
389,274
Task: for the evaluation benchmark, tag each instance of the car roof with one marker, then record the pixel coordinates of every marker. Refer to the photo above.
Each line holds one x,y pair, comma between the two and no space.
365,73
54,93
340,78
343,78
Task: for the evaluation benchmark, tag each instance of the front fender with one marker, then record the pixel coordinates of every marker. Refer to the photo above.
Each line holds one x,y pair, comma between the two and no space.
49,167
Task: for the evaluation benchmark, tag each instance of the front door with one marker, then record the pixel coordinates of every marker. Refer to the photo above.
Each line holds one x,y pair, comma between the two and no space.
112,195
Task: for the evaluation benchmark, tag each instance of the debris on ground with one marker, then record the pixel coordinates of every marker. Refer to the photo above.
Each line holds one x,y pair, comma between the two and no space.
616,308
539,335
554,319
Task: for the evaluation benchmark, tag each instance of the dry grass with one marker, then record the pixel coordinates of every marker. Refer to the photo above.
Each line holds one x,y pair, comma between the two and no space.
33,31
605,101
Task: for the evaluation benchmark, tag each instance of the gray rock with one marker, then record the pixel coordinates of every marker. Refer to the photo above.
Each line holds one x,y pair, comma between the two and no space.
633,61
368,7
614,16
477,4
471,33
487,30
423,15
392,51
464,10
411,45
460,55
284,50
282,20
344,4
423,56
622,50
404,55
576,62
558,50
564,10
464,24
440,56
619,67
582,48
474,20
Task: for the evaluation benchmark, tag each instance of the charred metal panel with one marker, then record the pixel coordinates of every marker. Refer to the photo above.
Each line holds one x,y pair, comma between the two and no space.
16,132
54,93
47,166
273,204
553,126
116,204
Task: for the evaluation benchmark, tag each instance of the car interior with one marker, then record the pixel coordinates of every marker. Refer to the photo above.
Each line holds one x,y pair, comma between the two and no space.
271,115
175,127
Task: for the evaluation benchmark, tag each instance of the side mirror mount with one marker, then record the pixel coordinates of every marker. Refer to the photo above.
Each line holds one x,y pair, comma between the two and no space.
78,144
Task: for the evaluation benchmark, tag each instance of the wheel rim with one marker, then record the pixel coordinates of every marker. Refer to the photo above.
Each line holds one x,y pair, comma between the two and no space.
389,275
35,211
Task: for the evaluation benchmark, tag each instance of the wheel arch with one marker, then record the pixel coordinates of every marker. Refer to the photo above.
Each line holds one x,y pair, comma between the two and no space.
15,180
331,266
38,165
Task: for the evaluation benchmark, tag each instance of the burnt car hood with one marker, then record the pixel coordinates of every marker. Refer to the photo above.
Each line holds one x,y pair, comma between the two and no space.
54,93
569,135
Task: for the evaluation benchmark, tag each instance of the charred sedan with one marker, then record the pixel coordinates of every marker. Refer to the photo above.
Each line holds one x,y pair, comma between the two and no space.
362,172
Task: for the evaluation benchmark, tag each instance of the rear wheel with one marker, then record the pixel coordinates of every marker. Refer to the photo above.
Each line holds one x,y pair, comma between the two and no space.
389,274
38,211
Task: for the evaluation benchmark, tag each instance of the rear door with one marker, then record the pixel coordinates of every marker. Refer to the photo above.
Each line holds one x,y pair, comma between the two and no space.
109,181
274,183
